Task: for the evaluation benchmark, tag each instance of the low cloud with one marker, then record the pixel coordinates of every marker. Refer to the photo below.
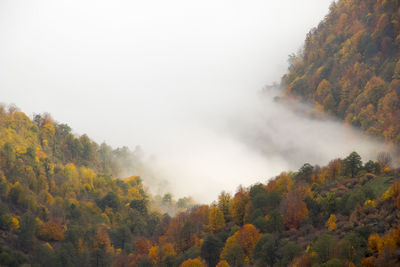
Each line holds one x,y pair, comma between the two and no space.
246,141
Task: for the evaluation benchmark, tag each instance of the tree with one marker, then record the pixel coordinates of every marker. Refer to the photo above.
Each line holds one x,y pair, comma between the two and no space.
324,247
234,255
372,167
7,159
110,200
26,235
239,205
154,254
305,173
193,263
167,253
52,230
334,169
102,246
139,205
331,222
224,204
215,220
121,237
266,249
352,164
44,255
289,252
247,238
274,222
211,249
294,210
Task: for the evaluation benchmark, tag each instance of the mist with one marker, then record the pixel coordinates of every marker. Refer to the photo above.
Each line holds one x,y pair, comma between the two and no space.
179,78
247,142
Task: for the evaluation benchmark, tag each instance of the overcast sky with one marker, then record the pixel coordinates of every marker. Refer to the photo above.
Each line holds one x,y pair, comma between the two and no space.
122,70
173,76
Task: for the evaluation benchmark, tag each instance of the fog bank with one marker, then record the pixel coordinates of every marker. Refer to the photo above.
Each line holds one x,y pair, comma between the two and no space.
249,141
180,78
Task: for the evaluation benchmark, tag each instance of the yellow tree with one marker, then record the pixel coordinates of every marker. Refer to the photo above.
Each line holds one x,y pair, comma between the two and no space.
154,254
193,263
167,249
331,222
51,230
216,220
224,204
159,253
239,205
284,182
228,244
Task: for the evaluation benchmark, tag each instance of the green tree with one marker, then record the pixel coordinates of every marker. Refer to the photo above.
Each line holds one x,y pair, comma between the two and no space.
352,164
305,173
324,247
266,249
110,200
121,237
211,249
288,252
235,255
27,226
274,222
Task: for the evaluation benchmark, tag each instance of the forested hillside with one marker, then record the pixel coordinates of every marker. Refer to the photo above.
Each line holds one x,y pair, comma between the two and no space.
64,200
350,66
61,206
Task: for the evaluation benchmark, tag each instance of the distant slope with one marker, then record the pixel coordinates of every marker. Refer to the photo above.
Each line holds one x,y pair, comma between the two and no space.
350,66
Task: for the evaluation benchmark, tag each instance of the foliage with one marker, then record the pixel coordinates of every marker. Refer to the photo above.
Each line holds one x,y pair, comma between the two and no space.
331,222
350,66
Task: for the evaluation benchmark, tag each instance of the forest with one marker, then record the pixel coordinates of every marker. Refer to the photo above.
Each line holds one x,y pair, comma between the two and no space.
67,201
63,205
349,66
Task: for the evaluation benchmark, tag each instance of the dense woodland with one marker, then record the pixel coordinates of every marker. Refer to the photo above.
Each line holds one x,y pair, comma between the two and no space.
64,200
350,66
61,205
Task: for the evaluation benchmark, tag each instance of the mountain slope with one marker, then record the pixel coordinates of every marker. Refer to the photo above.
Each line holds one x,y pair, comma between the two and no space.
60,207
60,203
350,66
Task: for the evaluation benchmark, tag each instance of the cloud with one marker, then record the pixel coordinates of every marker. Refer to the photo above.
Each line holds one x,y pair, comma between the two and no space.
247,141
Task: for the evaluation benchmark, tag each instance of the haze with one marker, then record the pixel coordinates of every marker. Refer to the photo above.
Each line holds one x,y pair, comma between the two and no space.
179,78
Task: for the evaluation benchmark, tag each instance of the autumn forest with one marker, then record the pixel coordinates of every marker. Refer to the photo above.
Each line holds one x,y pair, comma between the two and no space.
66,200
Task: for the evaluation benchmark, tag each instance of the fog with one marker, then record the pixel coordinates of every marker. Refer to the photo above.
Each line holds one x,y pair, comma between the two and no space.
179,78
249,142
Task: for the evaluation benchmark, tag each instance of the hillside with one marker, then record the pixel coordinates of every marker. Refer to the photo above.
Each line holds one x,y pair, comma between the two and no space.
61,204
350,66
67,201
61,207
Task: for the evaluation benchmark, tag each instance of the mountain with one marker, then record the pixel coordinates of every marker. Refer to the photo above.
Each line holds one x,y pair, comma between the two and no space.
64,201
350,66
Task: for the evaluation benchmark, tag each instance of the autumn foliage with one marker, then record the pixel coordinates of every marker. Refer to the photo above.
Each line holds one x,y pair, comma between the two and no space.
52,230
62,205
350,66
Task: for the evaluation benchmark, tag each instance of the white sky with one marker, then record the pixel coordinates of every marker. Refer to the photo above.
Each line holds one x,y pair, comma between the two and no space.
167,75
99,65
